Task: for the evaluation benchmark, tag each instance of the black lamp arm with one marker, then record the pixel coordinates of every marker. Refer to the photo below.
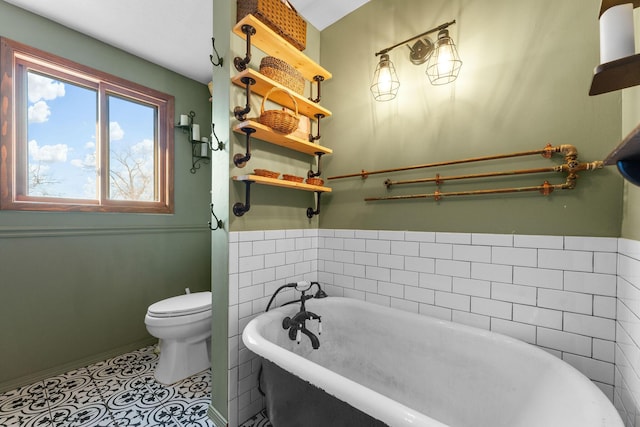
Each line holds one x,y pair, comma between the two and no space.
433,30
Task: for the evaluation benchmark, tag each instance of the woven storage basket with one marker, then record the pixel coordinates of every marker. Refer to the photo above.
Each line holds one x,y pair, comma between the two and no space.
281,121
266,173
283,73
292,178
282,19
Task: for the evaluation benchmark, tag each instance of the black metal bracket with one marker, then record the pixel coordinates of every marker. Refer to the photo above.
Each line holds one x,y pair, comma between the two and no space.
239,63
241,160
218,222
219,60
220,143
317,137
310,211
311,173
239,208
317,79
239,112
188,127
196,156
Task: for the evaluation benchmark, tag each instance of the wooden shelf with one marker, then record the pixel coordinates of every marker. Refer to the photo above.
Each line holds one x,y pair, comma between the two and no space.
288,141
282,183
619,74
263,84
272,44
606,4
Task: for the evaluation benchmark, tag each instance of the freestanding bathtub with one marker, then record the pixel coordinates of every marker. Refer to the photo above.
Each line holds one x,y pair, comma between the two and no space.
379,366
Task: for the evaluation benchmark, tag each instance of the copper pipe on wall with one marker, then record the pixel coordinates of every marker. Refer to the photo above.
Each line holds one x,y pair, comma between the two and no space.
546,152
570,167
440,179
545,189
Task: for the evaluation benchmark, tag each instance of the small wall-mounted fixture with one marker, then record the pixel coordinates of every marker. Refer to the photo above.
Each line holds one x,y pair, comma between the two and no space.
619,64
443,62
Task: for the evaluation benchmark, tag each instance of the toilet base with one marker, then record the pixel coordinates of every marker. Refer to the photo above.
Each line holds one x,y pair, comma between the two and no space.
179,360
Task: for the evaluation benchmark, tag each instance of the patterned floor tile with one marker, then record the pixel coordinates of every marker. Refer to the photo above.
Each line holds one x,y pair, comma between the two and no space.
118,392
190,413
258,420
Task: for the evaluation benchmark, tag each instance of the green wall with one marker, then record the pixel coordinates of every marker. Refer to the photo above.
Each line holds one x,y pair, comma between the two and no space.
524,83
630,119
74,287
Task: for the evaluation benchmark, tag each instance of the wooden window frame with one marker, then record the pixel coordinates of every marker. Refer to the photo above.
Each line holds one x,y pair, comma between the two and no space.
15,59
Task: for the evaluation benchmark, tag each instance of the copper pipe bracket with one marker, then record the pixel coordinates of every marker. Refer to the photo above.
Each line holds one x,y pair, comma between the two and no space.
546,189
437,195
548,151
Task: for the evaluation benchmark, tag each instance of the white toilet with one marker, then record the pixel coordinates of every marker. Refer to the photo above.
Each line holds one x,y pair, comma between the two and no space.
183,326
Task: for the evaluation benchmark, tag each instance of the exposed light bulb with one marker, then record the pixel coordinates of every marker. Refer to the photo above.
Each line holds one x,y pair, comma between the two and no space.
385,80
444,65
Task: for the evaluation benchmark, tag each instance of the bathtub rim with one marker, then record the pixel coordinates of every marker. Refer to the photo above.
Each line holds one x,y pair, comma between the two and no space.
363,398
372,404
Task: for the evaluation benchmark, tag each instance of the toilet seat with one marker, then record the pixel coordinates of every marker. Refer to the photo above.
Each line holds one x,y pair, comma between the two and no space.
181,305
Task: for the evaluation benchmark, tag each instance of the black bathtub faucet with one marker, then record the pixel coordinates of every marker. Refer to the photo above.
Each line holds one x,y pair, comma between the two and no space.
297,325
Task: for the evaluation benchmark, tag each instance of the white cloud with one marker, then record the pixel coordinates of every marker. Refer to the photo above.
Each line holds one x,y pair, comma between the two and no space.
48,153
89,162
115,131
90,145
144,147
39,112
41,87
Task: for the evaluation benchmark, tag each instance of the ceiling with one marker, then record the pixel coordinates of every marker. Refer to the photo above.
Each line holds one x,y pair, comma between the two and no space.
172,33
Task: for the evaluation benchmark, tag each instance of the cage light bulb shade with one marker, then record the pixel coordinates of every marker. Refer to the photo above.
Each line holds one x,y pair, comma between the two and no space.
444,64
385,80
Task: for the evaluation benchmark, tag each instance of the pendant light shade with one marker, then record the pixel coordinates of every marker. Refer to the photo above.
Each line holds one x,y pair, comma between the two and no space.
444,63
385,82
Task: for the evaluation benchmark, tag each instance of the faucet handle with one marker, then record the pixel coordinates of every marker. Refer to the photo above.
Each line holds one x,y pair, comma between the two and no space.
299,336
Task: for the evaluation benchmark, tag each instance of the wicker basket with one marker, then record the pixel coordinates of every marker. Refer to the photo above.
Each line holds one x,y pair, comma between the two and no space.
315,181
292,178
266,173
282,19
281,121
283,73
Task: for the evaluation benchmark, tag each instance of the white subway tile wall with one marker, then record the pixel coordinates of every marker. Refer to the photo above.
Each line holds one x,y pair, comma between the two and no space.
559,293
259,263
627,347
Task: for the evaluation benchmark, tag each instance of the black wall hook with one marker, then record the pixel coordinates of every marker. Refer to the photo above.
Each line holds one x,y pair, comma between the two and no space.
218,222
219,60
220,143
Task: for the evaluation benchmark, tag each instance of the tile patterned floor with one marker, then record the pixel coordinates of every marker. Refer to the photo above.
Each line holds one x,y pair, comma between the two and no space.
258,420
119,392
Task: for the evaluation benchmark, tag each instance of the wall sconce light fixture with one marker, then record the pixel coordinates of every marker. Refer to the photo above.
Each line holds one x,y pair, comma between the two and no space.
443,62
385,80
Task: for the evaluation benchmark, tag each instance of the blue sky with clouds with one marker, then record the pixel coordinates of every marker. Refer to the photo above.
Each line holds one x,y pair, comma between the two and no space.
61,135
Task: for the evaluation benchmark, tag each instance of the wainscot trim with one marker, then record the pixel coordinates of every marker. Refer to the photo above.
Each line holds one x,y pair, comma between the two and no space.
26,232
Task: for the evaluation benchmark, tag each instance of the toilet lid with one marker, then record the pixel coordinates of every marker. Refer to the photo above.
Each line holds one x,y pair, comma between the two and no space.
181,305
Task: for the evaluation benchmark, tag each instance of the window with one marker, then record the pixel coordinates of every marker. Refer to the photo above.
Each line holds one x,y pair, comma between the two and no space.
77,139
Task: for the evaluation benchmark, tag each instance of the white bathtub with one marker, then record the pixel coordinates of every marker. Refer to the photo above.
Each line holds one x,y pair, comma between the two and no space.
405,369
